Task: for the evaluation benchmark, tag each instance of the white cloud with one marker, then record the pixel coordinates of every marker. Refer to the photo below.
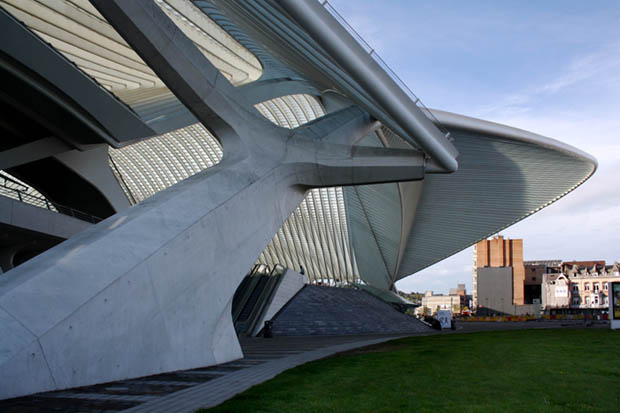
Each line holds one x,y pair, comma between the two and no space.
589,86
585,68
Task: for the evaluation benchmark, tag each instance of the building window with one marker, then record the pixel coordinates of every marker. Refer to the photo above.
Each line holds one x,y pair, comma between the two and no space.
587,286
606,300
533,278
575,300
587,300
595,300
575,288
605,286
595,287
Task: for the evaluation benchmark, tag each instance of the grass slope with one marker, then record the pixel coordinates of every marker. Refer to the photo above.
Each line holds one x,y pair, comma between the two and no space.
509,371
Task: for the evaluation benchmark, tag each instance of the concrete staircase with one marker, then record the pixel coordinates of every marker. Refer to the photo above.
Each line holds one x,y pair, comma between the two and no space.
319,310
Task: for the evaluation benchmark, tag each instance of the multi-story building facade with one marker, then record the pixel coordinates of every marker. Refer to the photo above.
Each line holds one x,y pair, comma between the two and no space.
579,287
455,301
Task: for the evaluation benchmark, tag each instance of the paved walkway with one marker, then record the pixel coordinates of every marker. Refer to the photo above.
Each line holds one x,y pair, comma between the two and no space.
282,353
278,355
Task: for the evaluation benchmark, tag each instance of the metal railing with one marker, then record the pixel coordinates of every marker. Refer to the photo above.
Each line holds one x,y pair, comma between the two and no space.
14,192
372,53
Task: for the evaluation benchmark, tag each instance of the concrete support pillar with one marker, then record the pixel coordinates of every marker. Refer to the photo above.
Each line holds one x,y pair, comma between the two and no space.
145,291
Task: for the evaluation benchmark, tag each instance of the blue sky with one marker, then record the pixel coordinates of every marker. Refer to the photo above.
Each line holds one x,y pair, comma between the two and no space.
551,67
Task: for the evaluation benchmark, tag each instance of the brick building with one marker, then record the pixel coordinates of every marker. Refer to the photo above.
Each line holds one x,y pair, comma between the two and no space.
501,253
504,283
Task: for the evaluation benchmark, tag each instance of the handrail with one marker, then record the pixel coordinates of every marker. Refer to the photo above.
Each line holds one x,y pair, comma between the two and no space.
277,270
355,56
373,53
8,178
264,299
41,202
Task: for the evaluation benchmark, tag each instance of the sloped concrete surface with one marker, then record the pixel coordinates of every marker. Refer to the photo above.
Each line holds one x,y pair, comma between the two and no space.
341,311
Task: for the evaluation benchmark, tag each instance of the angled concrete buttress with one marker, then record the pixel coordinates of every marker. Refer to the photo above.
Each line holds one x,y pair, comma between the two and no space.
149,289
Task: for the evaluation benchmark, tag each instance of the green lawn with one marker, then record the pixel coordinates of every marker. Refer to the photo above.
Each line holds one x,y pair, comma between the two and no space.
561,370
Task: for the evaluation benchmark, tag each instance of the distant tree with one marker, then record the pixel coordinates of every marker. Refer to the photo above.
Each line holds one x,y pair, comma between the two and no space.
414,297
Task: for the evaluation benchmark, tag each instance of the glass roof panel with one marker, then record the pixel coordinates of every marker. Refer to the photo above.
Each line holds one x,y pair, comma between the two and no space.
315,235
77,30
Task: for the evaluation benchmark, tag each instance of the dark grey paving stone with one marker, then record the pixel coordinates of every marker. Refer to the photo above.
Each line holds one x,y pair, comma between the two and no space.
319,310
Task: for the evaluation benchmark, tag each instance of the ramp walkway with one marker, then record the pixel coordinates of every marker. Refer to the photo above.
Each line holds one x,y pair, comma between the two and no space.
318,310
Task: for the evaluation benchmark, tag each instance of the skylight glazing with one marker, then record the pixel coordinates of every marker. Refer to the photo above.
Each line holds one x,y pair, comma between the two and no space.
78,31
315,235
152,165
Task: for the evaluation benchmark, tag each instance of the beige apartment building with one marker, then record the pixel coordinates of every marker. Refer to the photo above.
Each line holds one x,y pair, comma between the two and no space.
455,301
581,285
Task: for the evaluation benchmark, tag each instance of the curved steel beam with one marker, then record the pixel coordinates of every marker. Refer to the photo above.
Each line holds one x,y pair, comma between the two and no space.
456,121
348,53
